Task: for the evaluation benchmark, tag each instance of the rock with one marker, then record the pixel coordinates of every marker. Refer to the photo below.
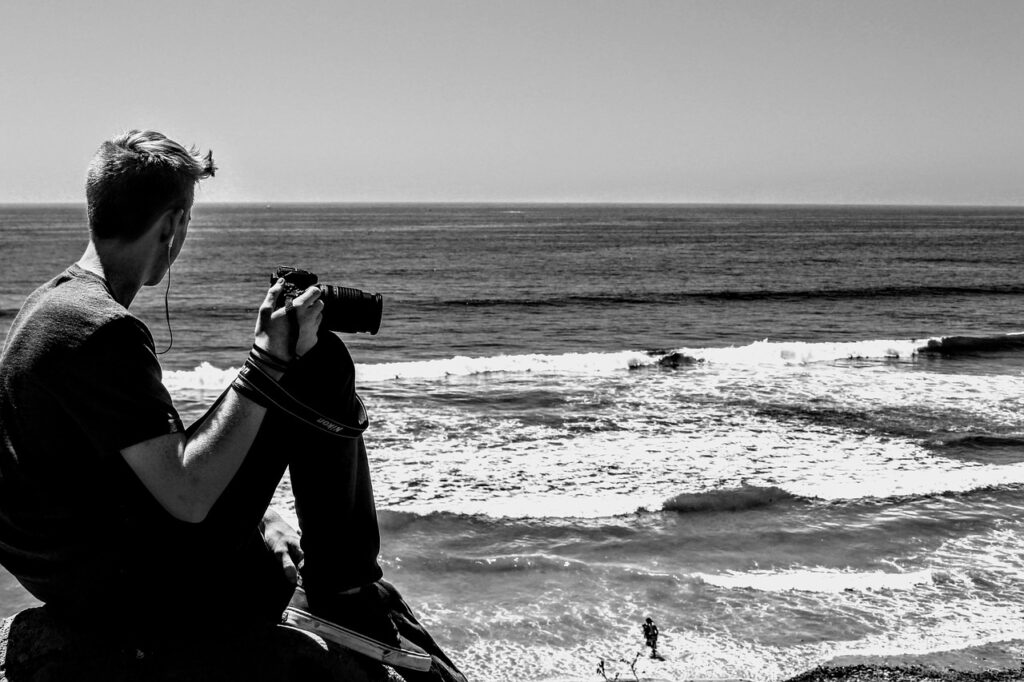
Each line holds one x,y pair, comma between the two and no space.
677,360
37,647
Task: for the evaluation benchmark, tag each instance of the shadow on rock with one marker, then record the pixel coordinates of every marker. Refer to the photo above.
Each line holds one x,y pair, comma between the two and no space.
35,646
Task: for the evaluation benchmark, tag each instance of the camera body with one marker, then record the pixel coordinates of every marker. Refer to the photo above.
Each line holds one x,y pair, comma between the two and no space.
345,309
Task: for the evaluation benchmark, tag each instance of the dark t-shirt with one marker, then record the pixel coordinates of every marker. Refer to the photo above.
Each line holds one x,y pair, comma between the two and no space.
79,381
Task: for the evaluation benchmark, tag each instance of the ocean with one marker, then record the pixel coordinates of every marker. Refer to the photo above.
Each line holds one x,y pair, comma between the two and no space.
783,433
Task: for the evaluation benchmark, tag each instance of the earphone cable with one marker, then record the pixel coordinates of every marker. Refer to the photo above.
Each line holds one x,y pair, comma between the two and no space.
167,308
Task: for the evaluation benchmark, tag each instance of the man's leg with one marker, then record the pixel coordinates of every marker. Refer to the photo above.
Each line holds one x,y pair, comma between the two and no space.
331,475
330,482
338,517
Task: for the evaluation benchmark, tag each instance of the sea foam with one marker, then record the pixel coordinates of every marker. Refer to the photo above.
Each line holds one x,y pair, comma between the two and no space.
818,580
758,353
764,352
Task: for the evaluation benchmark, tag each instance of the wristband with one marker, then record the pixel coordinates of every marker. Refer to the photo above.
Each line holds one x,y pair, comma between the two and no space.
254,383
268,360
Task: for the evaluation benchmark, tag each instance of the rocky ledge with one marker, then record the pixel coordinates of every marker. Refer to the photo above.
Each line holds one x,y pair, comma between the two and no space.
904,673
993,662
35,647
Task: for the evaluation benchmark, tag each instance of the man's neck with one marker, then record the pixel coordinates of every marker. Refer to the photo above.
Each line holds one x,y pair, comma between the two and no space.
119,267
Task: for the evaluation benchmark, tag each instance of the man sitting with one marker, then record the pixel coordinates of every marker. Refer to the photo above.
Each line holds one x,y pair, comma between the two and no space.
112,512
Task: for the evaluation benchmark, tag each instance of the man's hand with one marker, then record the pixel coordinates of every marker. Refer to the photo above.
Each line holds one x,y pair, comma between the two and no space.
283,541
273,328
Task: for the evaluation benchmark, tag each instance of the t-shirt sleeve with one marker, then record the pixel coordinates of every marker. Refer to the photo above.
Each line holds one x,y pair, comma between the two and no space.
113,388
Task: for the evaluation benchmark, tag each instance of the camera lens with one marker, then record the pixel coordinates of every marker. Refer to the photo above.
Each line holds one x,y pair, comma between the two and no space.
351,310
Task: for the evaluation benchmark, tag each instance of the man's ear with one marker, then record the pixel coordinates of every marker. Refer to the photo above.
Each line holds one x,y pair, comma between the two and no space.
169,223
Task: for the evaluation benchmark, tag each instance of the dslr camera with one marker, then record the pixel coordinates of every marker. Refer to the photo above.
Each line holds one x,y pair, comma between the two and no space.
345,309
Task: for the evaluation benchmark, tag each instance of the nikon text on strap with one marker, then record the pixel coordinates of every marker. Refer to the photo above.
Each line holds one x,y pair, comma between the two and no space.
257,385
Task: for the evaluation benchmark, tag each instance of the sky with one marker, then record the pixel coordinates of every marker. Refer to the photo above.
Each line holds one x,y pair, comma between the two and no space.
760,101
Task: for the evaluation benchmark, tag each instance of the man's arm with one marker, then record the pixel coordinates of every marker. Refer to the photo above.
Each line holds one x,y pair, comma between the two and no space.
188,476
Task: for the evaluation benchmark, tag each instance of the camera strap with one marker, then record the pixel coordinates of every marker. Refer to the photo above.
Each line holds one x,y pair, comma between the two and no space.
293,328
259,387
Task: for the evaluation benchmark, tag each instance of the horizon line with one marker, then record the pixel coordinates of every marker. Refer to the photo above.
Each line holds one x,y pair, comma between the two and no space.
809,204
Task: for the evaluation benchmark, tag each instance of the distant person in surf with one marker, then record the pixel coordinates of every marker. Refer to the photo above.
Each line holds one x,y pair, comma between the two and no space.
651,636
122,520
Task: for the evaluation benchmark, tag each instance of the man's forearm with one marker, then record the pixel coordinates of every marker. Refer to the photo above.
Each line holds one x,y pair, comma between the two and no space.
216,450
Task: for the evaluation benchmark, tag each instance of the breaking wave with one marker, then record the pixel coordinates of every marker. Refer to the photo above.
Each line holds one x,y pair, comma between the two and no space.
207,376
733,499
973,345
818,580
765,352
980,441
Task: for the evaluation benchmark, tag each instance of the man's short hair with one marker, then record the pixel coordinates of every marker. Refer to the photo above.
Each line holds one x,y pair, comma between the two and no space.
135,177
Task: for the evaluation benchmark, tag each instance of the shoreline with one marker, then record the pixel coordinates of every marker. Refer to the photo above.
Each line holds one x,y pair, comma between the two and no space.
1001,661
992,662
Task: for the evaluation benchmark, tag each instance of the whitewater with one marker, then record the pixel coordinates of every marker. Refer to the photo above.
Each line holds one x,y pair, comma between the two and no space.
701,449
858,497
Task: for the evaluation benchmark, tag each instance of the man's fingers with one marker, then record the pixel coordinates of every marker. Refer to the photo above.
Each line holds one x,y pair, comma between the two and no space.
267,307
295,552
274,291
306,297
317,310
288,566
